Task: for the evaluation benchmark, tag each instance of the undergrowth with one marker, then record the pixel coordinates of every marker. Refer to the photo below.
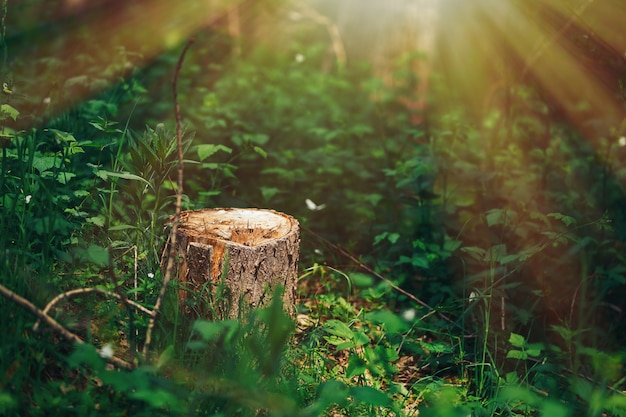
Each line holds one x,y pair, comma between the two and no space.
438,276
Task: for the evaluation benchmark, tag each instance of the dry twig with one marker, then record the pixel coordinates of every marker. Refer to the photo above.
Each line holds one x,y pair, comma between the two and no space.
179,202
71,293
72,337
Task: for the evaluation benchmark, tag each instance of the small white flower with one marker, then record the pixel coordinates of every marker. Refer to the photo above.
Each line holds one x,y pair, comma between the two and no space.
299,58
314,207
106,352
46,100
150,275
409,314
27,198
622,141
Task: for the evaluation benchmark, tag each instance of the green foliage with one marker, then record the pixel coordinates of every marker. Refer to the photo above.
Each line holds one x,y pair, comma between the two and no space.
493,248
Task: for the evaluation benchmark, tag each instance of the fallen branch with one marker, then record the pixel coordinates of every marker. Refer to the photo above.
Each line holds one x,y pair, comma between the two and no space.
52,323
78,291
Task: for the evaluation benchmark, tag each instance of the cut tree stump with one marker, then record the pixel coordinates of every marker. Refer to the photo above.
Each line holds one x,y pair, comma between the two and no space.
236,258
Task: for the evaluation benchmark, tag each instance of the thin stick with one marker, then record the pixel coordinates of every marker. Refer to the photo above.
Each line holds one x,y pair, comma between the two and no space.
71,293
179,202
72,337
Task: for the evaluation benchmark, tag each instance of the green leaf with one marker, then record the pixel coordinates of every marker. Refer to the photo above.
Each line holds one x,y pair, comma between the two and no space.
8,110
475,252
517,340
495,217
362,280
64,177
338,328
517,354
360,339
392,323
333,392
393,237
512,377
208,330
156,397
567,220
98,255
165,356
207,150
98,220
45,163
495,253
104,174
260,151
451,245
371,396
356,366
269,192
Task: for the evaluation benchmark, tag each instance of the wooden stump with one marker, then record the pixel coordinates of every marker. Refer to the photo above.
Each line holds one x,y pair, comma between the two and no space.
242,254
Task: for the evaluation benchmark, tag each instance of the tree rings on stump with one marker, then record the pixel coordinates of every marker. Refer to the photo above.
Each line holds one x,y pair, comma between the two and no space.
235,259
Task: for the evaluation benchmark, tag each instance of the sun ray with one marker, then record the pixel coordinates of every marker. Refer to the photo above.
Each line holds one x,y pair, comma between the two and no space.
102,42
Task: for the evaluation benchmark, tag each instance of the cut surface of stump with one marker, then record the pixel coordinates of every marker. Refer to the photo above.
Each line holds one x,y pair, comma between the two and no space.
231,260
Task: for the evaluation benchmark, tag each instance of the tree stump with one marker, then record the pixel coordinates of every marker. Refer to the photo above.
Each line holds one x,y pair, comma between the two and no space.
237,258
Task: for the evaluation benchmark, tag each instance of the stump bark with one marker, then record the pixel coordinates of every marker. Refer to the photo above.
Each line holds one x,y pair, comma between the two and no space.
235,259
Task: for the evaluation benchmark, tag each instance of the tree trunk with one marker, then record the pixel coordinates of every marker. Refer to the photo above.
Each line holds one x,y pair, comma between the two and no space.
232,260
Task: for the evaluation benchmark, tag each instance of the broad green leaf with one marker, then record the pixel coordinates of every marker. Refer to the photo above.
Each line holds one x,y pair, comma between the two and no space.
567,220
333,392
495,217
45,163
65,177
495,253
207,150
62,136
512,377
269,192
208,330
436,347
338,328
517,354
475,252
359,279
373,199
451,245
8,110
98,255
517,340
356,366
360,339
392,323
98,220
156,397
393,237
371,396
